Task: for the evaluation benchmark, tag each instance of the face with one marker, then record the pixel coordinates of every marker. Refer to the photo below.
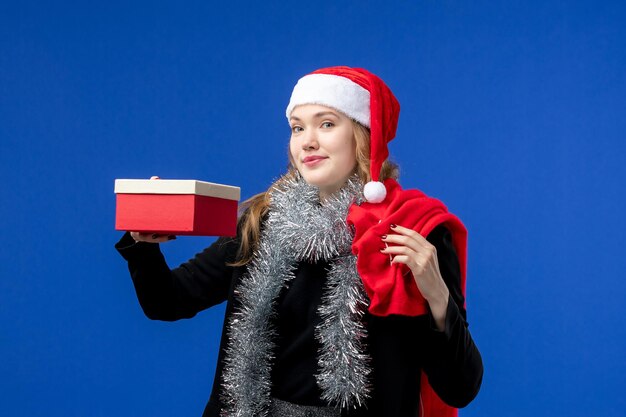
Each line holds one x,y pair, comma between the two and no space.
322,146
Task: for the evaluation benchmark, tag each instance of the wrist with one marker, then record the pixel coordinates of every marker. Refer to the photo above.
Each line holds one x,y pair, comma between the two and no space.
438,308
440,299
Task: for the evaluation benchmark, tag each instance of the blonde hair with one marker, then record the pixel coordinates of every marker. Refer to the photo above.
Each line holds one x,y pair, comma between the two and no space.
255,208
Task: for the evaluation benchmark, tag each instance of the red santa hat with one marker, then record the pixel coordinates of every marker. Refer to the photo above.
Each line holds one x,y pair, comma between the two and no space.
362,96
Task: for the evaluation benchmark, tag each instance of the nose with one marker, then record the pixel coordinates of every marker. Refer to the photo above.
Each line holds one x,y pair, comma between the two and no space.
309,141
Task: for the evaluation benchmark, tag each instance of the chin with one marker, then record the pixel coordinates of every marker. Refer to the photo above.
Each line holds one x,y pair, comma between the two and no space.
315,181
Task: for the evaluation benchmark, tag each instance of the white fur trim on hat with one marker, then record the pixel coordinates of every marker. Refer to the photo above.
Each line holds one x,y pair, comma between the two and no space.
374,191
332,91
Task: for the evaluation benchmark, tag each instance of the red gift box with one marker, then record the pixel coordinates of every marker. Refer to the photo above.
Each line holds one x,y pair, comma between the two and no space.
176,207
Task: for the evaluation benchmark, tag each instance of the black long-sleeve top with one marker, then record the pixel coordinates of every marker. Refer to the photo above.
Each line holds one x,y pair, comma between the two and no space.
400,347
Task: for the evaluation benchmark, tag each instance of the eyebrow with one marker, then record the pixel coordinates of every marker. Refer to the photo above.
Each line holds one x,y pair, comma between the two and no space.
317,115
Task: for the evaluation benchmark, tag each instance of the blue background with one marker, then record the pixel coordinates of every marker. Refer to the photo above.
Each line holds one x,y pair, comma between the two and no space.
512,113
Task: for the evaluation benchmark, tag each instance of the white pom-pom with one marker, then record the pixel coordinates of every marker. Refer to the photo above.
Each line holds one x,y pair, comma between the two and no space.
374,191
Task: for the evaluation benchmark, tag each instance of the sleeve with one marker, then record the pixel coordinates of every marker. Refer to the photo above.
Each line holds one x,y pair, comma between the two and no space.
172,294
452,361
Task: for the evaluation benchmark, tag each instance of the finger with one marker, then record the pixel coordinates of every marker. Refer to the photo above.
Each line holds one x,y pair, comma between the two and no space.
411,233
403,230
138,236
161,238
405,254
415,242
402,240
142,237
414,257
151,237
399,250
415,268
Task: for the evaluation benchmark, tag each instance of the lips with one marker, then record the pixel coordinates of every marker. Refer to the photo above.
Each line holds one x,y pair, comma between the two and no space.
312,159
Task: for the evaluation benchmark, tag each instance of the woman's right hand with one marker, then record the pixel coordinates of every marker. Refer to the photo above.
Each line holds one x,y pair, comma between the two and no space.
151,237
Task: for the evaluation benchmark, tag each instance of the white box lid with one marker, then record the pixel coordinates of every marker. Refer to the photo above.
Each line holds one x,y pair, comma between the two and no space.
124,186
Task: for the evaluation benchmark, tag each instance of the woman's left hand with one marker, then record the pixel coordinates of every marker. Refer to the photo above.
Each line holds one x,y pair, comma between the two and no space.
406,246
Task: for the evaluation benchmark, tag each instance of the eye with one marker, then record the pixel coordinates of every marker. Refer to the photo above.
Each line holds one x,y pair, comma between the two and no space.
327,125
296,129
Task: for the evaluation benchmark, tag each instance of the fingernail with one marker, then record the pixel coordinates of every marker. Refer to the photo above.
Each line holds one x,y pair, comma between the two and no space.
383,237
382,249
171,237
154,236
393,226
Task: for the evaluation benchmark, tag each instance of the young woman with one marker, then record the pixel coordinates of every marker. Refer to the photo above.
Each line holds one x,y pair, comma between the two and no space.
345,293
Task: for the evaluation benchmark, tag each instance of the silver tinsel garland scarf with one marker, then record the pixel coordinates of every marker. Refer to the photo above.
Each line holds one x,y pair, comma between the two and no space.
299,228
